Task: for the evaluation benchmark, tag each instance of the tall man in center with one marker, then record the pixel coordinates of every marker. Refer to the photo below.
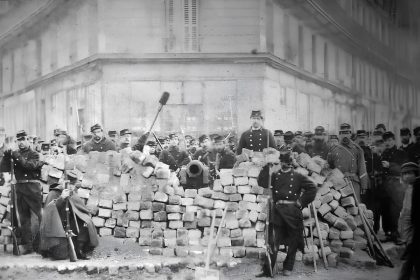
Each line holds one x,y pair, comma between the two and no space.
257,138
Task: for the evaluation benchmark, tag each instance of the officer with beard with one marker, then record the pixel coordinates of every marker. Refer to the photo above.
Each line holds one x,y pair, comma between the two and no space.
291,191
319,146
349,159
98,143
257,137
405,135
414,150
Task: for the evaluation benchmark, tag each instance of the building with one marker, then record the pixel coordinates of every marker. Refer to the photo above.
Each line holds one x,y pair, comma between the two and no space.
70,64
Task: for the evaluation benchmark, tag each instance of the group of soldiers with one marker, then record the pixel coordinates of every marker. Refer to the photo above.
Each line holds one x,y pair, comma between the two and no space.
373,162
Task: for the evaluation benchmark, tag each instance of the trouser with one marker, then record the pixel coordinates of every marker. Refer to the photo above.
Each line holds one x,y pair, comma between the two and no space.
372,201
29,200
394,191
410,262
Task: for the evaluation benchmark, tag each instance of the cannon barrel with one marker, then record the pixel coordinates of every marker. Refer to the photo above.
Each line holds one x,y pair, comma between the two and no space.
194,169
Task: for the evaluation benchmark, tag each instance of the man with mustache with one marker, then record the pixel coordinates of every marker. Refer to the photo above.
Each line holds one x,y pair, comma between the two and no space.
99,142
319,146
349,159
414,150
27,169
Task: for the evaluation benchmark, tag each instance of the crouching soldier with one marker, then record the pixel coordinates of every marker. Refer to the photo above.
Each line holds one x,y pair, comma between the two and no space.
291,191
54,243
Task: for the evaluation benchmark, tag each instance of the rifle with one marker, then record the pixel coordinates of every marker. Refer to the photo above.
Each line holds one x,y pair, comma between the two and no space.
185,141
69,232
268,233
14,211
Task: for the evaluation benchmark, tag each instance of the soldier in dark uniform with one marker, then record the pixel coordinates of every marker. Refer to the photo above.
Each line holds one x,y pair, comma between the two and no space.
288,139
65,143
279,138
99,142
152,147
405,135
381,128
206,154
332,141
125,139
349,159
173,156
291,191
27,166
319,146
414,150
113,136
309,141
299,143
392,160
225,158
256,138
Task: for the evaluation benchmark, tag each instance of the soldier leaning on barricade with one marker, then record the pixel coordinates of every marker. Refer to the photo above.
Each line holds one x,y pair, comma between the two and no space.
26,166
174,156
98,142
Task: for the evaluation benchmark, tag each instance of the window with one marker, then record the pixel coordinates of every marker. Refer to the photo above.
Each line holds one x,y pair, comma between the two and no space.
190,25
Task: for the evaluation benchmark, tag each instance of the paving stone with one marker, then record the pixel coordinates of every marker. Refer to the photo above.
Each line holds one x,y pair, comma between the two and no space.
120,232
159,216
146,224
244,189
235,197
105,231
324,209
332,259
104,213
334,204
340,212
98,222
250,197
341,224
239,172
349,243
220,196
205,192
330,218
250,237
161,197
133,205
134,196
350,222
353,210
110,223
204,222
348,201
119,206
174,217
188,217
136,224
346,191
181,251
224,242
217,186
252,252
241,181
244,223
346,252
173,209
334,233
132,215
146,214
105,203
175,199
203,202
327,198
187,201
253,216
192,193
253,182
132,232
232,206
262,216
260,226
226,178
348,234
253,172
145,205
230,189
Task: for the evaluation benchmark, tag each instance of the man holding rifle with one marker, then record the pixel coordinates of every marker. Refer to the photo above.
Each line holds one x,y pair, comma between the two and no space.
26,166
291,191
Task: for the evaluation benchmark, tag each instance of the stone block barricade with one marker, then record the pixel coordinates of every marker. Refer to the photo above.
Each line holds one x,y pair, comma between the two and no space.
132,195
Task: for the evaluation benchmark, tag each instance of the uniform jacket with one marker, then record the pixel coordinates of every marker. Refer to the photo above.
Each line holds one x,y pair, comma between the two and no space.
255,140
406,148
414,153
350,160
101,146
396,158
27,165
206,156
405,223
225,159
174,157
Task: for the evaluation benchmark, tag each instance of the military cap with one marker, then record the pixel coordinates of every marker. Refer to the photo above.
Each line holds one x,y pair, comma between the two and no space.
278,132
319,130
172,135
405,131
417,131
219,138
285,154
388,135
361,133
202,138
288,136
333,136
61,132
112,133
345,127
45,146
380,126
2,130
95,127
409,167
377,133
151,143
298,133
125,131
256,114
21,134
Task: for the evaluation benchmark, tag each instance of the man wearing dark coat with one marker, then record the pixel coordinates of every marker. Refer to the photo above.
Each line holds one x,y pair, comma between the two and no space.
414,150
54,243
225,158
99,142
319,146
174,156
257,137
392,160
27,167
206,154
291,191
405,135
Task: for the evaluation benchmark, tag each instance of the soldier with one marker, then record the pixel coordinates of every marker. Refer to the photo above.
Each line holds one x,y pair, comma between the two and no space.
256,138
66,143
414,150
332,142
319,146
206,154
349,159
113,136
381,128
193,146
392,160
405,135
98,143
225,158
291,191
299,143
288,139
309,141
173,156
125,139
151,147
27,166
279,138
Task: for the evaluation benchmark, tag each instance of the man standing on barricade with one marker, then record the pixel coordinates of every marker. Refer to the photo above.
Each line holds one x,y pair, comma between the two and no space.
291,191
26,166
349,159
99,142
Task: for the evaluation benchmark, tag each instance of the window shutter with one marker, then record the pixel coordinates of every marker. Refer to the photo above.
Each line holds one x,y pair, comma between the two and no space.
191,25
